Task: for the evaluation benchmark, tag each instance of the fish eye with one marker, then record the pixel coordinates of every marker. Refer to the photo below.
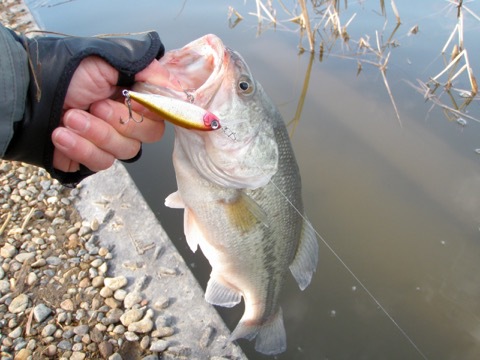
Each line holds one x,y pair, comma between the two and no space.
245,85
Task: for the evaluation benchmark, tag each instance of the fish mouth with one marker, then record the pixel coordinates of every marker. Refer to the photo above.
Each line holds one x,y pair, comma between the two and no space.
196,71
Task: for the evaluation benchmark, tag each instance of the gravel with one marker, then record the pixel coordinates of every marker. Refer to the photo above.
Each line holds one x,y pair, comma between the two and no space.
56,298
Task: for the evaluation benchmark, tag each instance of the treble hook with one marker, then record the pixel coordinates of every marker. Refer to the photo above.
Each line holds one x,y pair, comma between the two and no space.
129,106
190,97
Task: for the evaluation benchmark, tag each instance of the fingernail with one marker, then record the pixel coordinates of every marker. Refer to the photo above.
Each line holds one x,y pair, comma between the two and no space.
77,121
64,138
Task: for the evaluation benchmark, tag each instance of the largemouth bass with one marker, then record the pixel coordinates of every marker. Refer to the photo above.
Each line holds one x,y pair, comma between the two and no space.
240,189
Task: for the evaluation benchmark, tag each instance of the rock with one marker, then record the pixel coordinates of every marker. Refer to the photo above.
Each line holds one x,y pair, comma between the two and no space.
8,251
24,256
98,281
163,332
116,282
31,278
19,304
48,330
159,345
39,263
105,348
23,354
103,251
2,273
119,330
161,303
4,286
131,316
67,305
132,299
65,345
151,357
77,355
143,326
120,294
81,329
115,356
15,333
53,260
131,336
41,312
50,351
96,335
145,342
96,263
113,316
112,303
106,292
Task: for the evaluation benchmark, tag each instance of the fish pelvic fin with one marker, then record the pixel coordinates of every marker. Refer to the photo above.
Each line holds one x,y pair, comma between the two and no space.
193,234
306,258
220,294
271,338
174,201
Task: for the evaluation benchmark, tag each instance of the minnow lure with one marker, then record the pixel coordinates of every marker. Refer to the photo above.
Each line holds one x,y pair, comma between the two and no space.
178,112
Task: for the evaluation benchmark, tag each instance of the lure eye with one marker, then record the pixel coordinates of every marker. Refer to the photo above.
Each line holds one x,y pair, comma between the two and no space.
245,85
214,124
211,121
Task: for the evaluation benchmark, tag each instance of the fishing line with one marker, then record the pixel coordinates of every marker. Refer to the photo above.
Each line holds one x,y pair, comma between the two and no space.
364,287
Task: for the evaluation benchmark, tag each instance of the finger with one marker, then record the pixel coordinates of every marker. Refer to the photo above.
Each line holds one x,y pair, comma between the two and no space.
101,134
80,150
63,162
151,129
154,74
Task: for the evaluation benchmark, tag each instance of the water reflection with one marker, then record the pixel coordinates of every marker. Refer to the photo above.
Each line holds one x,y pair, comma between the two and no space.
399,205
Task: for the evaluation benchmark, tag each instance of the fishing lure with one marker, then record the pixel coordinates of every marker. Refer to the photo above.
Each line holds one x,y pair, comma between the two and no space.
178,112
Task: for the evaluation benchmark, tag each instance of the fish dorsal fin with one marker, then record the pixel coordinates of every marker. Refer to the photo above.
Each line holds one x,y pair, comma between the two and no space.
192,231
221,295
175,201
306,258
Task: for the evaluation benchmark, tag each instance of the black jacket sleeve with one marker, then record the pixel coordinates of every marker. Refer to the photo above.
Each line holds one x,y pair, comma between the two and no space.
53,60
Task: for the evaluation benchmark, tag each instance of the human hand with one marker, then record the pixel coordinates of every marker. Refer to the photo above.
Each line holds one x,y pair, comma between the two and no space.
90,132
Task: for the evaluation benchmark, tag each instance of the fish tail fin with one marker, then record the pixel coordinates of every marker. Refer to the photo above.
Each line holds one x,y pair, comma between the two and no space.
270,336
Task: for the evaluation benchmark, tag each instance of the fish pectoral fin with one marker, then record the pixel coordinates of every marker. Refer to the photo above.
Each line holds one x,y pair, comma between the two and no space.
175,201
221,295
244,212
193,234
271,336
306,258
254,208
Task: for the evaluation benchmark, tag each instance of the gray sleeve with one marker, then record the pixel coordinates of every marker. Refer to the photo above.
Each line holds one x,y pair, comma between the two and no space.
14,80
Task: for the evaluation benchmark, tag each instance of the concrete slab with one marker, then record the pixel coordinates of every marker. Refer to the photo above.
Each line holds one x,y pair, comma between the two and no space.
144,254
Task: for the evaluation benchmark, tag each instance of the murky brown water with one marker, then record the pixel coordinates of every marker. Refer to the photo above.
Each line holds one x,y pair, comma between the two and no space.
398,206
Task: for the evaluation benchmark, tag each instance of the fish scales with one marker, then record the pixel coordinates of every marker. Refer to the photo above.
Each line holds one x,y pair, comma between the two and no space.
241,194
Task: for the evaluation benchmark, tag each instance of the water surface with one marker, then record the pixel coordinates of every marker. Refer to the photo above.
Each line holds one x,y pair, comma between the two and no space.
397,204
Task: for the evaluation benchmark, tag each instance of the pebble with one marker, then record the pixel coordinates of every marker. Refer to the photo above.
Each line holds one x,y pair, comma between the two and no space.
105,348
41,312
116,282
67,305
8,251
143,326
131,299
18,304
48,330
159,345
4,286
131,316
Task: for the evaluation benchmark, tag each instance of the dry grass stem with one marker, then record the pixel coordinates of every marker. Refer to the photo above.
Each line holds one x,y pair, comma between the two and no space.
5,223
